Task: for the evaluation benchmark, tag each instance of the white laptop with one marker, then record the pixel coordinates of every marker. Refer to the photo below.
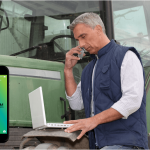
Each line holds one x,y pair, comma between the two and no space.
38,112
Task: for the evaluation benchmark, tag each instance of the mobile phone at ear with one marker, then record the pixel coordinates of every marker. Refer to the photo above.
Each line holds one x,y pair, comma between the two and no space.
4,104
82,52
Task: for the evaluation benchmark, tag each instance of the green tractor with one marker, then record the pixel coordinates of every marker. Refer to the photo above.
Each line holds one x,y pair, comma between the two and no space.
34,39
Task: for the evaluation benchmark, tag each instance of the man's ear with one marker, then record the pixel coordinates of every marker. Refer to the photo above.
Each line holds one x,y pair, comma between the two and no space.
99,30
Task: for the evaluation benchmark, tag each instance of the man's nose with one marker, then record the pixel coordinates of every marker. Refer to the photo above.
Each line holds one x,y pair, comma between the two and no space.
81,44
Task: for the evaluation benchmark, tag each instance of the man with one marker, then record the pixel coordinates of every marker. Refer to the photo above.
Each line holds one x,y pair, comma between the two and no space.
111,89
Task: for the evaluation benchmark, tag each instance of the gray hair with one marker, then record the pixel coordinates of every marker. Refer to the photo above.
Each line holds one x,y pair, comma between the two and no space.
91,19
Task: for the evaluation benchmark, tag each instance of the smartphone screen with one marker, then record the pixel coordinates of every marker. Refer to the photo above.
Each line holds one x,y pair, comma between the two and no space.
3,104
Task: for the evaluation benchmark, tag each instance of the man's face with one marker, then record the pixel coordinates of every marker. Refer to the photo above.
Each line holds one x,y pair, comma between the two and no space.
88,38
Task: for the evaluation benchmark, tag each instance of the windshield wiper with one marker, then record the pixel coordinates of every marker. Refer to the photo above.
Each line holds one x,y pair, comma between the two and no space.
39,46
26,50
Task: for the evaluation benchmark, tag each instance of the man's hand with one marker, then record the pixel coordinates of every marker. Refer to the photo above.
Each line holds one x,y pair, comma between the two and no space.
82,124
90,123
71,60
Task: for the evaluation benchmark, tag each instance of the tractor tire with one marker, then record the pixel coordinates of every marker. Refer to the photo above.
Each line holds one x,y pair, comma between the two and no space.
53,147
46,146
64,148
30,148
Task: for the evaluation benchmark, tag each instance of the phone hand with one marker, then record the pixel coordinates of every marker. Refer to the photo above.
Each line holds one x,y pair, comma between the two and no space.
71,60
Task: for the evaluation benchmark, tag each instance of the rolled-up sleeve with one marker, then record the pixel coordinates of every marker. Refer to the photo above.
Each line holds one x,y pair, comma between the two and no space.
76,101
132,85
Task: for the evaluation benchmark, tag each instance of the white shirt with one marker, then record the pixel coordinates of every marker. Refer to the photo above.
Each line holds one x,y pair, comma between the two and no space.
132,87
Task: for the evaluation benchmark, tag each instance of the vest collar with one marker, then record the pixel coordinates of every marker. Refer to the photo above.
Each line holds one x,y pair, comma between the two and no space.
105,49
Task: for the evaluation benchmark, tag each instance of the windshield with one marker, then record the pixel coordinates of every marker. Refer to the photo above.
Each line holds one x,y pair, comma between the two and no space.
132,26
38,29
36,22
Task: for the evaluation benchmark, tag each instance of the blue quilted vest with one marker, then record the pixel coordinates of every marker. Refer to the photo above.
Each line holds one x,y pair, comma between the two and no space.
107,91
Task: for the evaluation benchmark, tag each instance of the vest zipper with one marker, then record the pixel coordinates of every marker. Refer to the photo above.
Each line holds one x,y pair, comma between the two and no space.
93,82
93,106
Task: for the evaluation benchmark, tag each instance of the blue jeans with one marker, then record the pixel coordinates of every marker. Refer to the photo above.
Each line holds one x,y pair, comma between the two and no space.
119,147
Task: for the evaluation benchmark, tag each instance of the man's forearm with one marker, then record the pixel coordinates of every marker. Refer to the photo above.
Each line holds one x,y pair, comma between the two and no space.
107,116
70,83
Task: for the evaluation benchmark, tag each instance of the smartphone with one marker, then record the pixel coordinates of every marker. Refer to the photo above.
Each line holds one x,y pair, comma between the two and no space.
82,52
4,104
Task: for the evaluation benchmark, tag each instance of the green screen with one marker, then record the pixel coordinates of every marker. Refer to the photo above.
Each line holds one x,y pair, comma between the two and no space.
3,104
